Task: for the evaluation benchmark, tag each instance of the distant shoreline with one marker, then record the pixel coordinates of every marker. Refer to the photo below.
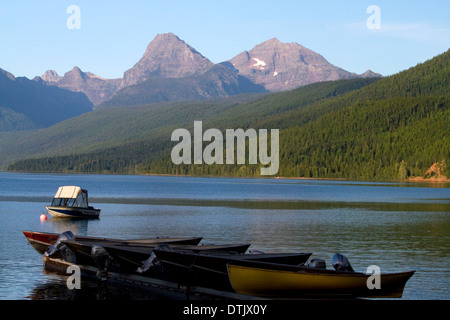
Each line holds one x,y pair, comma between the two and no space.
430,180
409,180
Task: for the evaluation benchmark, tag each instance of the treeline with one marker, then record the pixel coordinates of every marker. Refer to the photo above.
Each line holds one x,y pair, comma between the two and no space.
388,139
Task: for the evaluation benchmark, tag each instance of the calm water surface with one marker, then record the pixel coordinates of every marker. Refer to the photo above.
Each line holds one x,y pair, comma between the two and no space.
397,226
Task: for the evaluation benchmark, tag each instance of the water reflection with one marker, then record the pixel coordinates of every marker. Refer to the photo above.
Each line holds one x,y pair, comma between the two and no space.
77,226
423,205
55,288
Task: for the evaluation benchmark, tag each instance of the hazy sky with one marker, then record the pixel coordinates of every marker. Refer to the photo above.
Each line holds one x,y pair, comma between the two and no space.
109,37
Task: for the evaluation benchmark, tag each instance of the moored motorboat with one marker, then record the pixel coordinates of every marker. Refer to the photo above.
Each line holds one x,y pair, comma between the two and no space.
41,240
72,202
131,256
286,281
209,269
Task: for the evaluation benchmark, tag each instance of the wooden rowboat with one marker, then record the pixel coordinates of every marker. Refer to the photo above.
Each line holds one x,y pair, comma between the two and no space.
41,240
284,281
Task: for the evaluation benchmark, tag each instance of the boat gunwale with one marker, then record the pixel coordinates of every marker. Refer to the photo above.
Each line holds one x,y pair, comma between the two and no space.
313,271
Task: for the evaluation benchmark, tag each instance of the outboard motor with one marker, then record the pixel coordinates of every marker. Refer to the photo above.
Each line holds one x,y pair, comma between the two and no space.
317,263
60,248
152,260
341,263
101,258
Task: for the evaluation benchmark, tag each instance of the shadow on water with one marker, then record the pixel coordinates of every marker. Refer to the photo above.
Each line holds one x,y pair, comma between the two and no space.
55,288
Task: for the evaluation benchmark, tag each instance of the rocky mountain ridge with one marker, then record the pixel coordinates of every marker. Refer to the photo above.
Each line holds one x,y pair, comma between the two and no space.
96,88
271,65
282,66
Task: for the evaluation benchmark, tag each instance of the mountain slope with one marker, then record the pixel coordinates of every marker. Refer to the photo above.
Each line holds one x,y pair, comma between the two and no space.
217,82
14,121
107,128
395,128
137,129
389,128
386,139
41,104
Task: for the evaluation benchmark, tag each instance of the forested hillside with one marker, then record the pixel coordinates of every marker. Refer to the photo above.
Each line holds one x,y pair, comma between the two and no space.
137,128
391,128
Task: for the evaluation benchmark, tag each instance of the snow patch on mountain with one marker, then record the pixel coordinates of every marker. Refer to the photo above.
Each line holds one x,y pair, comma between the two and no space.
259,63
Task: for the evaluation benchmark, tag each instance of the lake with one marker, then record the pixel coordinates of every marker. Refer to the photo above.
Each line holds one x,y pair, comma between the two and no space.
397,226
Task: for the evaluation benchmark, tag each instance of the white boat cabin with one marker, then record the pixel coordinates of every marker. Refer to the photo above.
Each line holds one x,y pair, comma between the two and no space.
70,196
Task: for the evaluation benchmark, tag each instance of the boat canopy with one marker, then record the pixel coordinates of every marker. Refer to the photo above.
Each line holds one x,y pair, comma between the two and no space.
71,196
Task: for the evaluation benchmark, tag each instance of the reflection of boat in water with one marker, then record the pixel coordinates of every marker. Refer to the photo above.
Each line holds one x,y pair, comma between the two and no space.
287,281
72,202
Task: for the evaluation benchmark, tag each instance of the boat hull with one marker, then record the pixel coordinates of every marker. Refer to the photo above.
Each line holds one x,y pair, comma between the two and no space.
131,257
41,240
73,212
209,269
264,282
39,246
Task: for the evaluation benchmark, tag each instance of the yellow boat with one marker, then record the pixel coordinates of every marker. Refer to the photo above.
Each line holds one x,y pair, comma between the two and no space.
278,281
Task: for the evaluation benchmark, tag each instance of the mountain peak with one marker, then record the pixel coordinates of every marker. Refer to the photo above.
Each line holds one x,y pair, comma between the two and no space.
271,42
167,36
76,70
51,76
275,43
370,74
163,40
282,66
167,56
75,76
